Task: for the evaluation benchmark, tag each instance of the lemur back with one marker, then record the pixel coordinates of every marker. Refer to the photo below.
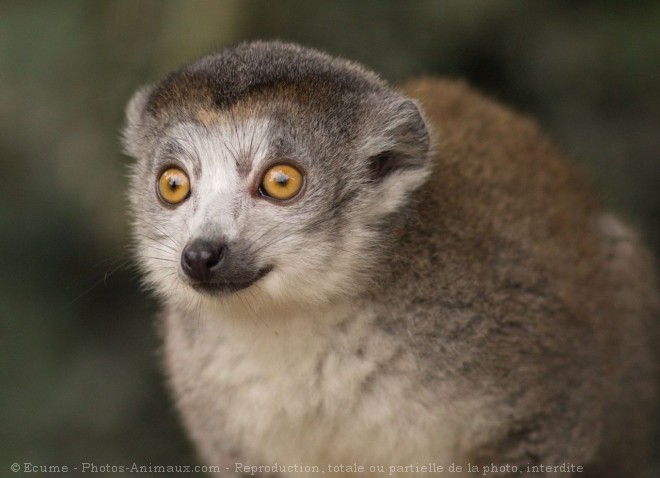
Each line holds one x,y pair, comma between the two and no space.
356,274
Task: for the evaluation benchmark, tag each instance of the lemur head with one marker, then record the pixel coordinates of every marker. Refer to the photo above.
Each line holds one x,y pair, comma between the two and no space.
269,172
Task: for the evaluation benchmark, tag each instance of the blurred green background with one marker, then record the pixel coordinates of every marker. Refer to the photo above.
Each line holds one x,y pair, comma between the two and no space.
78,347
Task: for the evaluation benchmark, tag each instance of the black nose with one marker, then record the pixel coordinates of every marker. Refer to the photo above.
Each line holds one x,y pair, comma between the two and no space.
200,259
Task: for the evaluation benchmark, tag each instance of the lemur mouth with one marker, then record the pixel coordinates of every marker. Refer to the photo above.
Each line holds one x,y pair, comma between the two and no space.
222,287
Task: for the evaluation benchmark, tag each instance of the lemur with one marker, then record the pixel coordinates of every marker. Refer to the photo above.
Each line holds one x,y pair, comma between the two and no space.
352,272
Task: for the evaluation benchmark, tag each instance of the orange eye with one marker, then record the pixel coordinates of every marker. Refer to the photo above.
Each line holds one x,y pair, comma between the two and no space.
281,182
174,186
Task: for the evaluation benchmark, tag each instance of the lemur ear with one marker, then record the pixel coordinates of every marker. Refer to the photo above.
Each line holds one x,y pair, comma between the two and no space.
136,112
397,152
137,105
403,141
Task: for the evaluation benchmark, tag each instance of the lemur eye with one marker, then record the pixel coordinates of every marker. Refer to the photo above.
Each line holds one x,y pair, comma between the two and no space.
174,186
281,182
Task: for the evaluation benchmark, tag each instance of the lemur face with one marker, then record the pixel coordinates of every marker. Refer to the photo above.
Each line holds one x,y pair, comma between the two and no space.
257,181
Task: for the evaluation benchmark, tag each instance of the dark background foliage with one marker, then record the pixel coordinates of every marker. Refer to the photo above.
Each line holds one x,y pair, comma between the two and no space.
78,346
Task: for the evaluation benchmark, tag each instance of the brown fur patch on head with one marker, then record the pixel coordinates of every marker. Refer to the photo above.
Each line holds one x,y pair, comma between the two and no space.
224,79
207,116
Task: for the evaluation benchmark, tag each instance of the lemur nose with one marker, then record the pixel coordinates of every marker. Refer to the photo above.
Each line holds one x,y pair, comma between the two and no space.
200,259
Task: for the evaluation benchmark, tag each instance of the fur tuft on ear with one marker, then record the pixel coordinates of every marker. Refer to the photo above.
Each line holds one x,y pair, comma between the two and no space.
136,111
403,141
397,153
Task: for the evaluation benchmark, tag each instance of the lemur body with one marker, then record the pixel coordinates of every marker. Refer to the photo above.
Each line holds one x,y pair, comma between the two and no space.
348,280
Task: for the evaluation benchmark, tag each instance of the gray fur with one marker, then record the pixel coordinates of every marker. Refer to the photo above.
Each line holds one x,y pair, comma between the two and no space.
444,289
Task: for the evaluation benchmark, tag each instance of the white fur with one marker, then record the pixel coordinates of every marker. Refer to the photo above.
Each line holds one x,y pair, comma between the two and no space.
274,403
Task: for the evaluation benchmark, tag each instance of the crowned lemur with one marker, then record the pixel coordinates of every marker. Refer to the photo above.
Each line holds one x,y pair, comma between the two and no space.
398,279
